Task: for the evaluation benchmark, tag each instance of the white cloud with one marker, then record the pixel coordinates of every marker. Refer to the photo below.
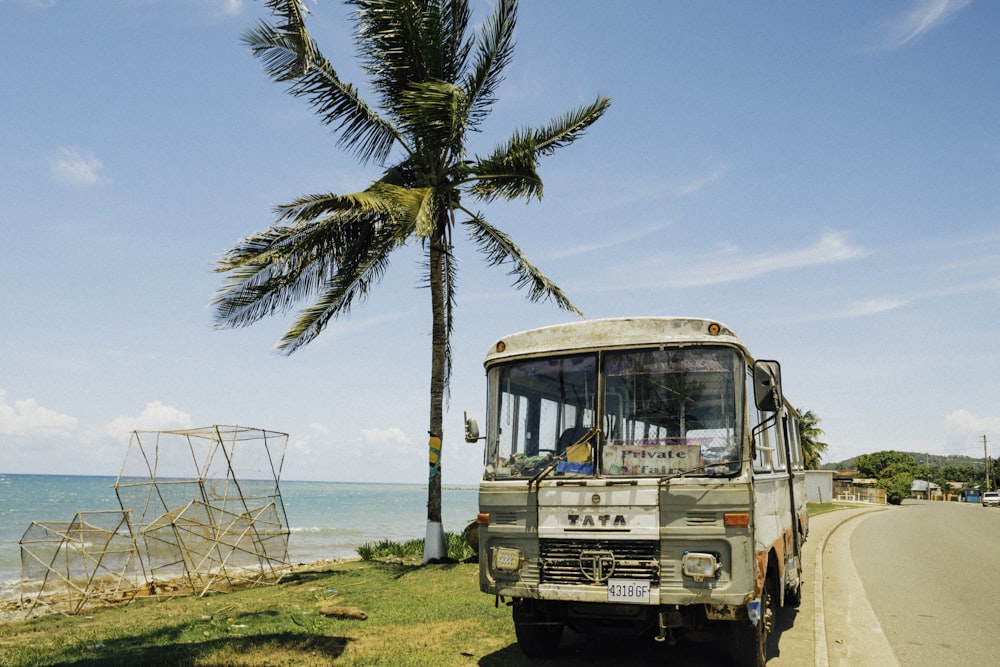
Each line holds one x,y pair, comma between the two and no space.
355,325
383,454
26,419
867,307
694,186
73,166
603,244
966,430
924,16
313,441
385,436
731,264
155,417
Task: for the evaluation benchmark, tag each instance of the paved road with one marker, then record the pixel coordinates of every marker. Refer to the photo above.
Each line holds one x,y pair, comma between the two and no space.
931,572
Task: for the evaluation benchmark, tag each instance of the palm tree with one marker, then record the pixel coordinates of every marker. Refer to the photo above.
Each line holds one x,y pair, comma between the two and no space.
809,434
434,84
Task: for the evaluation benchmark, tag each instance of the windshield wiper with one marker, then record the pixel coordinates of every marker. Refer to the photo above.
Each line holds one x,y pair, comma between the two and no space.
537,479
587,437
685,473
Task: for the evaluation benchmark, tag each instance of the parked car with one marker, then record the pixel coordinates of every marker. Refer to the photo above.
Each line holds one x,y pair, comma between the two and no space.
991,499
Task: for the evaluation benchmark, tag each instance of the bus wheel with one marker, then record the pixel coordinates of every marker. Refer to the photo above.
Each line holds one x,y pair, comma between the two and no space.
793,595
538,641
538,634
748,644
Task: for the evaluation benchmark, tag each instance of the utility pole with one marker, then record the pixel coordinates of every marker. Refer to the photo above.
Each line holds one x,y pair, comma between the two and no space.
989,466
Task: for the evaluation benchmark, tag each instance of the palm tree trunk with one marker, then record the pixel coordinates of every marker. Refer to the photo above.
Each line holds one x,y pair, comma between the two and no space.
434,544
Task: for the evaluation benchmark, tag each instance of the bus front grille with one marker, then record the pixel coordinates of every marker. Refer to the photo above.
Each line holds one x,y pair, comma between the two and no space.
575,561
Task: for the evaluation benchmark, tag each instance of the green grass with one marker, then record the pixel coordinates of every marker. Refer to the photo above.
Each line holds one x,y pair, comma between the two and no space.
416,615
815,509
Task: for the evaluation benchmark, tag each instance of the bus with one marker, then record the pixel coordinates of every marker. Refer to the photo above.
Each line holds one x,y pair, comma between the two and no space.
642,476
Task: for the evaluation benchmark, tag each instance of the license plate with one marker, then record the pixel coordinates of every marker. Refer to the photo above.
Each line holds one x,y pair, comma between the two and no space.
628,590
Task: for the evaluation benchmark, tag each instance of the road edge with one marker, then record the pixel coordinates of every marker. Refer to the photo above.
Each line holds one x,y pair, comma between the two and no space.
822,651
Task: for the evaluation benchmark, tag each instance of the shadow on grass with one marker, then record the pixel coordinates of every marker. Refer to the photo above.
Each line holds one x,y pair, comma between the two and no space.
141,651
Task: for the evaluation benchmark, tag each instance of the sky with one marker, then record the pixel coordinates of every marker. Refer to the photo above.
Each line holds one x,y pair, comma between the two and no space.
824,178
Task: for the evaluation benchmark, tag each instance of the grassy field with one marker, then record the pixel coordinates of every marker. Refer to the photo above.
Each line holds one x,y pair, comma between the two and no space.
413,616
425,616
815,509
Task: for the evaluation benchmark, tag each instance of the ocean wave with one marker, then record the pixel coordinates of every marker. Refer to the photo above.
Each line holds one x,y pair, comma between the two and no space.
312,531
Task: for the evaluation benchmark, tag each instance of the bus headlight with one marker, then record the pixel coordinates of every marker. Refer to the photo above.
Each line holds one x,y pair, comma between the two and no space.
507,559
699,565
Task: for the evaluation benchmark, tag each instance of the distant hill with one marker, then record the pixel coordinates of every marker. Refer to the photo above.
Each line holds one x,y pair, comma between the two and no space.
922,458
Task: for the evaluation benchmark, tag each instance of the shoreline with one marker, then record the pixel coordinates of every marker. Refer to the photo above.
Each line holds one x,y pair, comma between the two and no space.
12,610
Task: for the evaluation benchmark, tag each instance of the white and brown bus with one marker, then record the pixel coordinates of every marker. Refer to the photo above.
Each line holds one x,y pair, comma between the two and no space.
642,475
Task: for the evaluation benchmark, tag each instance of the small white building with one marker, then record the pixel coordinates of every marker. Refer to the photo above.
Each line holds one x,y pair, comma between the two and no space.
819,486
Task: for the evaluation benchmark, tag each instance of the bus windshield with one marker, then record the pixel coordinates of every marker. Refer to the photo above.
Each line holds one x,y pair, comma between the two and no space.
660,412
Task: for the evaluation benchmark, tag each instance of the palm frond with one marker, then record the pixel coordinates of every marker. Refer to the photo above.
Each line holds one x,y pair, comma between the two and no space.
494,53
269,272
434,112
565,130
500,249
450,301
360,128
294,31
360,269
408,43
510,172
266,275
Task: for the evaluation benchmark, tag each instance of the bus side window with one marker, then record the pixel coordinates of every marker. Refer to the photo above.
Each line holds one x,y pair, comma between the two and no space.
794,444
764,448
778,455
764,440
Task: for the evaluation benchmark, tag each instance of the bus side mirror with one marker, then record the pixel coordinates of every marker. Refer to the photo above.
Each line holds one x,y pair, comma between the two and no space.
767,385
471,429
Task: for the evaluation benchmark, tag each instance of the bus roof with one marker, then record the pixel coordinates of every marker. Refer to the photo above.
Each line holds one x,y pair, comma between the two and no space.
619,332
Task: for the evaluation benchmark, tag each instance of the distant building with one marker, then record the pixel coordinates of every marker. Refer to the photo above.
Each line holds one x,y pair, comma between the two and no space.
848,487
923,489
970,496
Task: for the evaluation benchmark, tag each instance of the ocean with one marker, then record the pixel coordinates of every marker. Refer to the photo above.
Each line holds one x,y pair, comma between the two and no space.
326,519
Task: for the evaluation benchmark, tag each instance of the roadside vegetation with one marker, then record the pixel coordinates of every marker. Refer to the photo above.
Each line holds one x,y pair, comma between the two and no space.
413,550
896,471
809,437
815,509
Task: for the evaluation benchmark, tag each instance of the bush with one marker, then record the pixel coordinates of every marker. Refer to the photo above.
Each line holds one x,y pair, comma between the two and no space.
897,488
458,549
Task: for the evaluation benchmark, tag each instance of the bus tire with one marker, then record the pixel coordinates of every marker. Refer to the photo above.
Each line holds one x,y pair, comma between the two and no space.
793,595
538,627
748,644
538,641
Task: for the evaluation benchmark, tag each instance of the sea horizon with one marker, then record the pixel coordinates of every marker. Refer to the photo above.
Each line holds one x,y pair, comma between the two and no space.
325,519
282,481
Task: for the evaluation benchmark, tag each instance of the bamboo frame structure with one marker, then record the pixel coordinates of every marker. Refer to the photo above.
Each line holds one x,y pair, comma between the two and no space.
201,510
